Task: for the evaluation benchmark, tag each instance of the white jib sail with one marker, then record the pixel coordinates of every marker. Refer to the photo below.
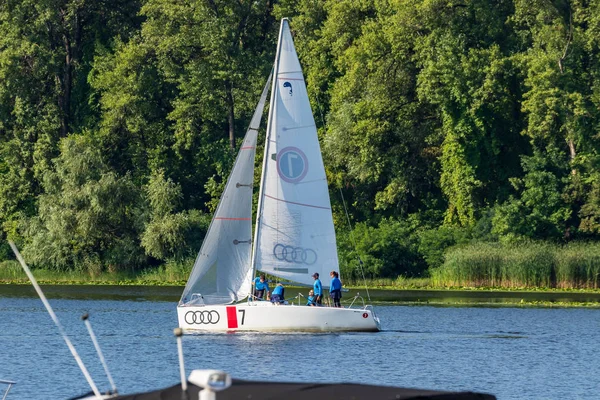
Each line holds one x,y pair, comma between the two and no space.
295,233
220,273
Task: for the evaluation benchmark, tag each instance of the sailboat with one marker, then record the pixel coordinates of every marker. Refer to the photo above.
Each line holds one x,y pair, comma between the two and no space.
294,236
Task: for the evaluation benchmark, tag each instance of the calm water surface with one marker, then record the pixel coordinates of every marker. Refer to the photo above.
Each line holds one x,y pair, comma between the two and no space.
514,353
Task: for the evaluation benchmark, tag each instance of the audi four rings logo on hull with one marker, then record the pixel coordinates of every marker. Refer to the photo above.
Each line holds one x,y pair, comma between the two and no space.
202,317
293,254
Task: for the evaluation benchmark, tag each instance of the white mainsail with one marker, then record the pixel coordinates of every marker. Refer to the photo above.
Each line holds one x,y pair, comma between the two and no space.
295,236
221,273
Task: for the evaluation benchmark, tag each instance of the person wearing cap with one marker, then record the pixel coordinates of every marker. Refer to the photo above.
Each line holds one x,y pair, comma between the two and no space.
318,289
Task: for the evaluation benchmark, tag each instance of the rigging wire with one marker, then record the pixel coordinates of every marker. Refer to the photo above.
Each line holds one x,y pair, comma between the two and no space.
360,262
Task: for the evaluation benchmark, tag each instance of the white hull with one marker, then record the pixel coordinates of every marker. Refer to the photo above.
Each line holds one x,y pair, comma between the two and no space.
264,316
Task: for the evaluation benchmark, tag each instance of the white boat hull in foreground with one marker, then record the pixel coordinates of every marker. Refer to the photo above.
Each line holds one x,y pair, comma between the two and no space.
265,316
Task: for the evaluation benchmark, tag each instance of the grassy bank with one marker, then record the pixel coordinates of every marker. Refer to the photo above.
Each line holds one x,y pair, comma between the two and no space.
534,265
172,274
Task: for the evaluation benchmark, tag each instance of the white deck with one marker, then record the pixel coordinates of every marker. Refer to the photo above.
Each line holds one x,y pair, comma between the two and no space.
265,316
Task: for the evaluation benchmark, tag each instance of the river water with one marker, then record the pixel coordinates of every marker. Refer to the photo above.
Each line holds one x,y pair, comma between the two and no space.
511,352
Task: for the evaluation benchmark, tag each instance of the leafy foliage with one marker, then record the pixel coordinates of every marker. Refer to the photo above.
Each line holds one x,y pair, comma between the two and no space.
167,232
444,124
87,216
390,249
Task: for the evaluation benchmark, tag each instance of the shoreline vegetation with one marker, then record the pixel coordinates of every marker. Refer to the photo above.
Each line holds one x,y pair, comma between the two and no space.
407,292
405,295
531,265
12,274
534,266
483,274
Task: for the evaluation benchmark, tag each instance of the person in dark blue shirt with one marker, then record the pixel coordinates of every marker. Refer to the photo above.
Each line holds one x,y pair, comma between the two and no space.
311,298
335,289
318,288
260,287
277,294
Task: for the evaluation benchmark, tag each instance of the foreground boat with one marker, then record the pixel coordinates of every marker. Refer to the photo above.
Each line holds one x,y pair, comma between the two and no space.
294,237
213,384
258,390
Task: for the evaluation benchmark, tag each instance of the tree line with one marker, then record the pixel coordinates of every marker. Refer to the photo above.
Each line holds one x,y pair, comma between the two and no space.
443,123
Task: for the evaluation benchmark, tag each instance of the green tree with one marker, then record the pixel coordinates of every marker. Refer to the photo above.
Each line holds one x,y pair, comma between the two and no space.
46,49
540,210
213,51
559,106
174,97
470,78
387,250
87,215
168,233
379,142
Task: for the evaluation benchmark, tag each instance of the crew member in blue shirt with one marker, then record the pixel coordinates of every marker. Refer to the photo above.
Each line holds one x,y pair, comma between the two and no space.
311,298
277,295
260,287
335,289
318,288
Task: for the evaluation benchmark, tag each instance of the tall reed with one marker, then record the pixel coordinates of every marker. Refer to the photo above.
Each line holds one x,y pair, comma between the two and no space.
172,273
578,266
535,264
11,271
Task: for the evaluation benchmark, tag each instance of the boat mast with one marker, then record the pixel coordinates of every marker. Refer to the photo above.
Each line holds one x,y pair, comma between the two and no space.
265,156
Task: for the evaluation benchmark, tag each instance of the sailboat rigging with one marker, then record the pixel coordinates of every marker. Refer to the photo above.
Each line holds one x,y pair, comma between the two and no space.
294,236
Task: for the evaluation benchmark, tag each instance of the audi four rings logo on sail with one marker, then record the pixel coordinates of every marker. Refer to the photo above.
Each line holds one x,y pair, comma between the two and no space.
202,317
293,254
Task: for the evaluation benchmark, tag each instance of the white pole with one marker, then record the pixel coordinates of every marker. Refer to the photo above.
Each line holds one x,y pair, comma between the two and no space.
99,351
207,394
9,383
55,319
178,333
